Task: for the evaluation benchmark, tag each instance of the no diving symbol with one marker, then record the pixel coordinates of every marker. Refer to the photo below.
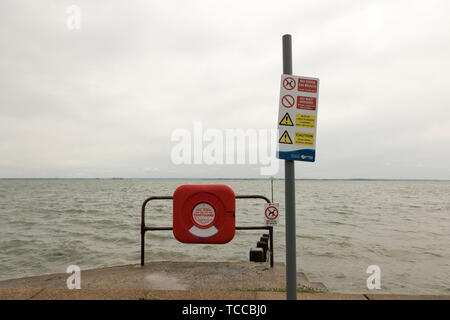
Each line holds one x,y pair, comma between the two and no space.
271,213
289,83
287,101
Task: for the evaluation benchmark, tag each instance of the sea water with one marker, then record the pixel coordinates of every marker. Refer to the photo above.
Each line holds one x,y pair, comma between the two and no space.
343,227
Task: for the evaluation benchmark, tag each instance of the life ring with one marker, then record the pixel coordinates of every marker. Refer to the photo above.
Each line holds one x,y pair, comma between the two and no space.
204,213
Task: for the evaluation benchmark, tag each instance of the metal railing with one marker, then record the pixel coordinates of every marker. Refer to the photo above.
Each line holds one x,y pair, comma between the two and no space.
144,228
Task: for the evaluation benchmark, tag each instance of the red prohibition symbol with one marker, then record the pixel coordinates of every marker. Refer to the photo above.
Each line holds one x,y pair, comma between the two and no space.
271,213
289,83
287,101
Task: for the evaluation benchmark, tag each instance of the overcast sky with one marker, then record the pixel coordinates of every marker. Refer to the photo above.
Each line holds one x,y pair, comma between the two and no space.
104,100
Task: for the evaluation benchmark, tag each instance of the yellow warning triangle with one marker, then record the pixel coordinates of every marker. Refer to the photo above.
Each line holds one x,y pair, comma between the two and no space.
286,121
285,138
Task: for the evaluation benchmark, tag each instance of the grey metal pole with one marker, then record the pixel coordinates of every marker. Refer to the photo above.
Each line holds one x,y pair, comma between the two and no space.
271,186
289,183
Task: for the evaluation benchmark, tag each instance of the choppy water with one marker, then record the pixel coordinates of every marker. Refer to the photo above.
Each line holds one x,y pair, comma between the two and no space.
342,228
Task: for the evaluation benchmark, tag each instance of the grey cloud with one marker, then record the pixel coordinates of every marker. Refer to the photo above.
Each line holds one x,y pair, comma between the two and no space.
104,100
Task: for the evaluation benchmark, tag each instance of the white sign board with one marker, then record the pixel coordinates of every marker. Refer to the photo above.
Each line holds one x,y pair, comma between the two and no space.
271,214
297,118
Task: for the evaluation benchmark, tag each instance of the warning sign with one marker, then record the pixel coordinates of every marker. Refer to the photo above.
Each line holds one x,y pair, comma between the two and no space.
304,138
288,101
307,85
286,121
289,83
306,103
271,214
305,120
285,138
297,118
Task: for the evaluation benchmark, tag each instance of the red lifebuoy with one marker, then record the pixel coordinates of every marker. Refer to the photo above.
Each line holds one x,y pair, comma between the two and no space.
204,214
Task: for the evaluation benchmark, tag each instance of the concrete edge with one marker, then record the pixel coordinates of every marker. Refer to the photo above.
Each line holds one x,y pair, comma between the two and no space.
148,294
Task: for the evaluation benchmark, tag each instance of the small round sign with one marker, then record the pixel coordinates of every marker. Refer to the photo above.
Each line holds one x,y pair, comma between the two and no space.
203,215
289,83
287,101
271,213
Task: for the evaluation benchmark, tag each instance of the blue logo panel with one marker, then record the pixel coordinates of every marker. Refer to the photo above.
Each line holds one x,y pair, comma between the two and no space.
308,155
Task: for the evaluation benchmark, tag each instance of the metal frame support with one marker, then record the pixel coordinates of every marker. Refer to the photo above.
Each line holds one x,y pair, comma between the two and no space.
144,228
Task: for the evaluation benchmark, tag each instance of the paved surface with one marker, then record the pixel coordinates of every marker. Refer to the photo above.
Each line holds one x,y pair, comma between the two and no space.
139,294
173,276
178,281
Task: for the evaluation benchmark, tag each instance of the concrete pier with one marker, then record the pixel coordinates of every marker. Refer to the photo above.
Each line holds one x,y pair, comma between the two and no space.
173,276
179,280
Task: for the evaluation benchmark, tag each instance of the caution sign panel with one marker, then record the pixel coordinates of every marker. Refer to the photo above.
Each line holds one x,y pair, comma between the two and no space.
297,118
305,120
304,138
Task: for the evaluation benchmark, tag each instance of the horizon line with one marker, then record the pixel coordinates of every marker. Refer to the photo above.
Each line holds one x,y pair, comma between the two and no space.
216,178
